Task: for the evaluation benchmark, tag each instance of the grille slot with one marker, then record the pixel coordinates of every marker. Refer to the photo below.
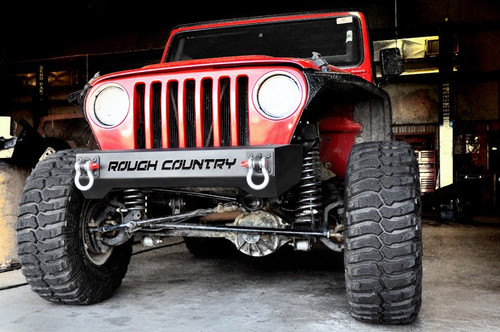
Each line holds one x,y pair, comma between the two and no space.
225,116
243,110
156,114
173,116
207,111
139,96
212,111
189,104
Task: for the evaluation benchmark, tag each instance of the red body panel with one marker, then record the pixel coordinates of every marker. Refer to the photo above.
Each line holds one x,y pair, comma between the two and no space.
337,128
337,133
262,130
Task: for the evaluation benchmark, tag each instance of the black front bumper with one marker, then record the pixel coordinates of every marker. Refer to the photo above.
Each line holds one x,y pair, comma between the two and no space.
184,168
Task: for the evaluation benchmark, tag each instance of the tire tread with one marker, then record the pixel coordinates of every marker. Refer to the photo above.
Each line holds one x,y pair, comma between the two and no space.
383,246
47,248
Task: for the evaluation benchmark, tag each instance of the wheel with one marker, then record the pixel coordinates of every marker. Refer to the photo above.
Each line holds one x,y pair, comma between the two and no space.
61,260
383,241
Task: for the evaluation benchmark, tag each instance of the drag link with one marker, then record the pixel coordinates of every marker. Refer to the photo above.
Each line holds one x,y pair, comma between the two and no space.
136,224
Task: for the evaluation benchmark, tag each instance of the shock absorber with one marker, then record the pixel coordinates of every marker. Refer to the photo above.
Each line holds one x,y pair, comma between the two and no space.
309,198
135,199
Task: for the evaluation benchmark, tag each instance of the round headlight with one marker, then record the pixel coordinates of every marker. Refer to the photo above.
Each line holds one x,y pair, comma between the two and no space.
278,95
111,105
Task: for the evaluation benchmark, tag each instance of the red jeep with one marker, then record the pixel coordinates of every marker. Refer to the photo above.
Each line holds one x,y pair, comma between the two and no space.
259,132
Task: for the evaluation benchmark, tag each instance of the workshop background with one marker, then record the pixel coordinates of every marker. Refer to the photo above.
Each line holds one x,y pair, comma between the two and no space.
446,103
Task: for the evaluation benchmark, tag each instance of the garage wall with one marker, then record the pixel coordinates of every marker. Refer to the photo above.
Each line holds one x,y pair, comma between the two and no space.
414,103
478,100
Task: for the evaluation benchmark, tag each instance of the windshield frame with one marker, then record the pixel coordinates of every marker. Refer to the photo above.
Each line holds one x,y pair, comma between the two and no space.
357,19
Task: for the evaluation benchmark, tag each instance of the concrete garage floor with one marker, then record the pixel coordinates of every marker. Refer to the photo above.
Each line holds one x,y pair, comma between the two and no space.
170,290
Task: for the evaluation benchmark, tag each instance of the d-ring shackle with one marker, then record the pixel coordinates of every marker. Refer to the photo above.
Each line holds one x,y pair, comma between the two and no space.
254,165
87,167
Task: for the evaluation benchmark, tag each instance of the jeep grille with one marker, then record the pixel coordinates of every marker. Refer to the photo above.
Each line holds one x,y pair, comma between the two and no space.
193,112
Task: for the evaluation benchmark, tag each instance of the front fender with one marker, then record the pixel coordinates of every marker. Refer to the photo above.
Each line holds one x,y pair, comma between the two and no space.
370,104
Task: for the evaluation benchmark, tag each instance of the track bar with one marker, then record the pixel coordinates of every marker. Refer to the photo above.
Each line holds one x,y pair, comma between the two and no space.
184,229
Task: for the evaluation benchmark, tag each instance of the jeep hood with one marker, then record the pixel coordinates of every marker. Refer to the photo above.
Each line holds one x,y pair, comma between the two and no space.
215,63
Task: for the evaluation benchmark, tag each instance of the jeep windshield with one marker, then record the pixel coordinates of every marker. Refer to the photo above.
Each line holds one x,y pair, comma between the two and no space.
337,39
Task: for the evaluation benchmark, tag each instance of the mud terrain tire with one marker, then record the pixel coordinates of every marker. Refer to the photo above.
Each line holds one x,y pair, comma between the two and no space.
383,242
52,238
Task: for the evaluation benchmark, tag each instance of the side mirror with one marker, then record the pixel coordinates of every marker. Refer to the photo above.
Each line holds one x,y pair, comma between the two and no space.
391,62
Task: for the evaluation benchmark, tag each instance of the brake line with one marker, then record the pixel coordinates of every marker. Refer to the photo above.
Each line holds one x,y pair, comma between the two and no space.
13,286
133,254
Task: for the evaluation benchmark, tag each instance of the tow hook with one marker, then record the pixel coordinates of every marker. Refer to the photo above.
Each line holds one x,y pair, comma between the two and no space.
256,165
88,167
